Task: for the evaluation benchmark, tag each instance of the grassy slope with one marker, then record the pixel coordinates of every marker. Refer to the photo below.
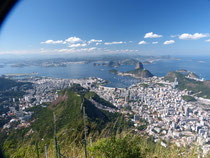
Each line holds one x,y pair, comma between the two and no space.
98,99
130,146
69,124
110,133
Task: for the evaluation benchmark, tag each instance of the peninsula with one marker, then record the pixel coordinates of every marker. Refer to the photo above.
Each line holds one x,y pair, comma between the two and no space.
138,72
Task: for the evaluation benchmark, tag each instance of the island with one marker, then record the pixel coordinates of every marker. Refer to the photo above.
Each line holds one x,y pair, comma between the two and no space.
138,72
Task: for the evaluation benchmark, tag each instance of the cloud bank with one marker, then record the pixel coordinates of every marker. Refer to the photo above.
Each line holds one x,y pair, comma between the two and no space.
52,42
187,36
94,41
111,43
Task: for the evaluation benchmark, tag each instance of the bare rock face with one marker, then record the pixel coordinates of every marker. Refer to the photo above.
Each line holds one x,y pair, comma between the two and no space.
140,72
139,65
193,75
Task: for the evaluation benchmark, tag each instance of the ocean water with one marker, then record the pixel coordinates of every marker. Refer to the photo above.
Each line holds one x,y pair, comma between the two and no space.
198,65
74,71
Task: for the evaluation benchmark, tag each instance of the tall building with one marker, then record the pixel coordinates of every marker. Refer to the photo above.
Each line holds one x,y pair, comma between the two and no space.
126,99
186,111
175,83
136,117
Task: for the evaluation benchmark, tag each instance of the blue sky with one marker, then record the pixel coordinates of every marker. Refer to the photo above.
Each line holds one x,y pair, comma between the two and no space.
145,27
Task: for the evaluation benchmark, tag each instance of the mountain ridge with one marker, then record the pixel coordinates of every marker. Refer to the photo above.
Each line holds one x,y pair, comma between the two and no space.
69,125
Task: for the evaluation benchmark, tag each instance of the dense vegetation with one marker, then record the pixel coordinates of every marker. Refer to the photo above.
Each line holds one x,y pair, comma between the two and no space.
98,99
144,85
201,88
188,98
130,146
141,73
7,84
112,135
69,127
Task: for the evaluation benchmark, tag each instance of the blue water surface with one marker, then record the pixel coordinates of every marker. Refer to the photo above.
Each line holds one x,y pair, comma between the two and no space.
198,65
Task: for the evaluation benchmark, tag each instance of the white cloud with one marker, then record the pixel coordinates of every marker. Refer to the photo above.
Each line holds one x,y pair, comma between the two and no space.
72,40
77,45
169,42
129,50
91,49
208,40
68,40
52,42
142,42
110,43
155,42
65,50
98,44
94,41
152,35
73,50
187,36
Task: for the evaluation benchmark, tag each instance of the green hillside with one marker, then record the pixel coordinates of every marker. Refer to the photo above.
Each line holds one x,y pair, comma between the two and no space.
69,126
112,135
141,73
9,87
135,146
201,88
6,84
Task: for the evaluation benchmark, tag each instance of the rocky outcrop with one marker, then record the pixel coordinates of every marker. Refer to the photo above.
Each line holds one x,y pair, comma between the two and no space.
139,65
140,73
193,75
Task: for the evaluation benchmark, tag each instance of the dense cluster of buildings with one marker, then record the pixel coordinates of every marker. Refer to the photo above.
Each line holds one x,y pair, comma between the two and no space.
44,90
158,102
169,116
